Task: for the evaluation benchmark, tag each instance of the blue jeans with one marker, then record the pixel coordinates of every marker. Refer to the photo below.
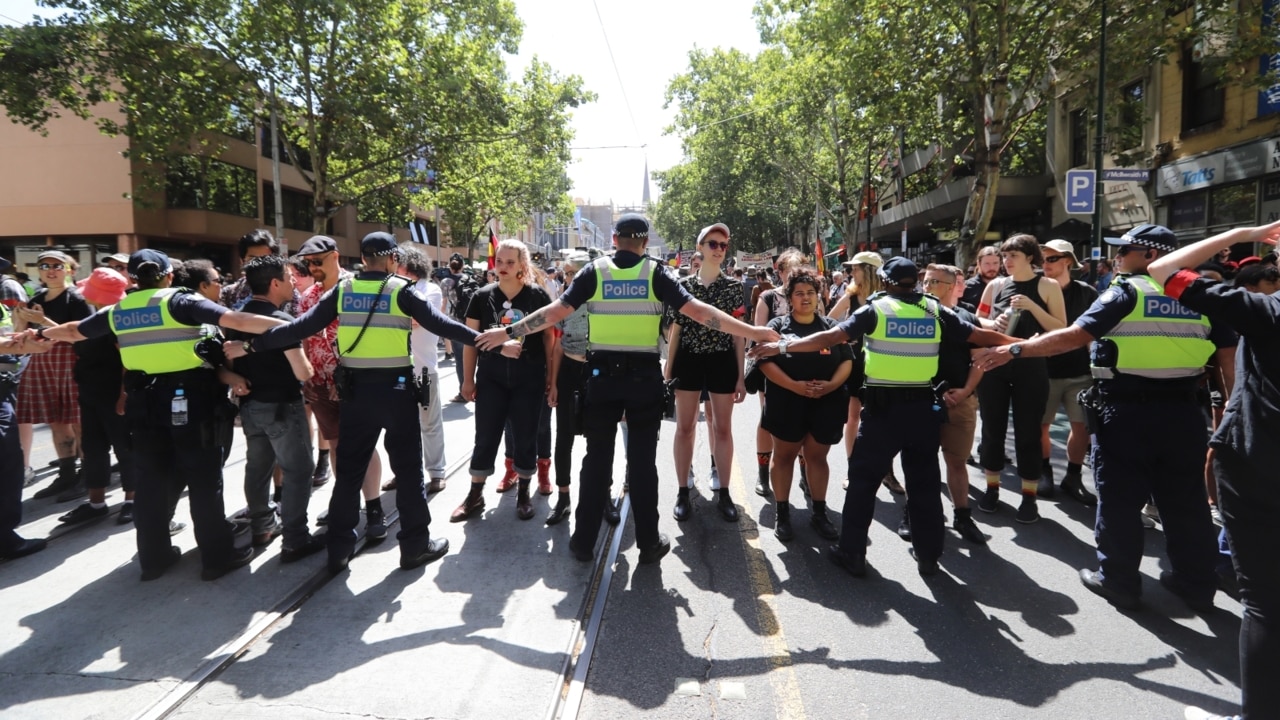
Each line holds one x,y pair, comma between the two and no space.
276,434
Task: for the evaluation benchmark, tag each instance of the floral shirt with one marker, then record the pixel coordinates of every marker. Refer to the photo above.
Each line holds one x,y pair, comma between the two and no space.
321,348
725,294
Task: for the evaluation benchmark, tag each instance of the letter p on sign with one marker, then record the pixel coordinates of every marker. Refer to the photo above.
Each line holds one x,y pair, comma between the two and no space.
1079,196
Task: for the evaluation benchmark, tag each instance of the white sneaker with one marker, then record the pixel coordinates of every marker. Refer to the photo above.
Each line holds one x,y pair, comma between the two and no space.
1216,513
29,477
715,478
693,479
1150,511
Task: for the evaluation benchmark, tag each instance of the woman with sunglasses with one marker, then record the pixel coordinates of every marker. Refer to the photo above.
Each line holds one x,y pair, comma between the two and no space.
1022,305
505,388
48,392
700,358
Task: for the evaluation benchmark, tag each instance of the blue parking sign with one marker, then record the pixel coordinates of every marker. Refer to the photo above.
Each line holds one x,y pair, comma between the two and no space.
1079,195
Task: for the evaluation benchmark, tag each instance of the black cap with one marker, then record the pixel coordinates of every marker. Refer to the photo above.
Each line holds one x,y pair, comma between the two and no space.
1157,237
317,245
5,264
141,257
377,244
631,225
900,271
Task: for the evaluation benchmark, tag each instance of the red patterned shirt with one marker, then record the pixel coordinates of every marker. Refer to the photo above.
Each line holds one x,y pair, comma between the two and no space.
321,348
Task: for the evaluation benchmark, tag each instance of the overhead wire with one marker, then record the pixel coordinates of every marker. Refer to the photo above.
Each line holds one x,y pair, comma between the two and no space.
617,72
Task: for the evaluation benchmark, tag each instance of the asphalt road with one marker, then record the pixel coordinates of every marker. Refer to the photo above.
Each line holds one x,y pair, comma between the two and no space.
731,624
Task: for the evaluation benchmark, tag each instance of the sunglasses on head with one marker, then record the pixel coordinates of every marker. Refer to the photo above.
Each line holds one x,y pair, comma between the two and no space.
52,266
715,245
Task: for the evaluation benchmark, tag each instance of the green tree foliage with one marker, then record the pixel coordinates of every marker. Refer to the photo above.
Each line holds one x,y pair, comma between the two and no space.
520,170
362,87
841,81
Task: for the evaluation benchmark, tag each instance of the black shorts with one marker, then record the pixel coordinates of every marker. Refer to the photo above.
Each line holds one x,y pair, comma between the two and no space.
715,372
790,417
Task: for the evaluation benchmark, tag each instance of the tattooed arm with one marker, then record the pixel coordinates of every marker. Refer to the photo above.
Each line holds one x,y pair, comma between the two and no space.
709,316
532,323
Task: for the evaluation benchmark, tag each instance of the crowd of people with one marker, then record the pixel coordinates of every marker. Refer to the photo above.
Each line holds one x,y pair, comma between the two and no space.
1144,357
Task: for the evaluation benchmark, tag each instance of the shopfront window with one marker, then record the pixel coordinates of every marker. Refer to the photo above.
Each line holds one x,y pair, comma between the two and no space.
1188,211
1234,205
298,211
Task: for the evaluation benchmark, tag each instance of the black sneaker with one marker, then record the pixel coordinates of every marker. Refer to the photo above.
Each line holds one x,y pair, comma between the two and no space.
824,527
84,513
990,500
1028,512
436,548
782,530
969,530
312,546
655,552
238,560
126,514
375,527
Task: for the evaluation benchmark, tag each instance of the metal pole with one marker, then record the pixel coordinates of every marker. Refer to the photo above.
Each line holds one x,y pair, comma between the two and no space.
1099,130
275,172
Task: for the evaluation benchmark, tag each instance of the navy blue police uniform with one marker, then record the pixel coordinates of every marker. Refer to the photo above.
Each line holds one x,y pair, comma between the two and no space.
374,400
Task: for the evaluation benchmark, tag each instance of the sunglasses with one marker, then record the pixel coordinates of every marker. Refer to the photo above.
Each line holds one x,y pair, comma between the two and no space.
1053,259
1126,249
929,282
52,266
714,245
313,262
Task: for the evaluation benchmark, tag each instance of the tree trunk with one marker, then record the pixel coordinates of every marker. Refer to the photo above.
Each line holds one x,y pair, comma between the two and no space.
991,109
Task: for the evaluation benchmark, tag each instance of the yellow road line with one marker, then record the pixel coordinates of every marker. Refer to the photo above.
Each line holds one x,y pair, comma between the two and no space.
782,675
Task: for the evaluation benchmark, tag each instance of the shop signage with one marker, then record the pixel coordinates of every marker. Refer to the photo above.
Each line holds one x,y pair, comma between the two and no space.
1220,168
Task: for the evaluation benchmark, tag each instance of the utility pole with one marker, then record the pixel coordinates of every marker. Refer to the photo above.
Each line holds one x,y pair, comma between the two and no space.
1099,130
275,172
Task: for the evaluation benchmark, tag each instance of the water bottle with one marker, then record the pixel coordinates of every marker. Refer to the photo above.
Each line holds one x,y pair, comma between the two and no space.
178,408
1013,314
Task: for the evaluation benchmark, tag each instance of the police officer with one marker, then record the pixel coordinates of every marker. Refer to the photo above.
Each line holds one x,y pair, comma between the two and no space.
12,545
624,297
1149,434
173,394
375,311
903,330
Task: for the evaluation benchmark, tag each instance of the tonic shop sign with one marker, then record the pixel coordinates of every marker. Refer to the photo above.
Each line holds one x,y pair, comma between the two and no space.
1219,168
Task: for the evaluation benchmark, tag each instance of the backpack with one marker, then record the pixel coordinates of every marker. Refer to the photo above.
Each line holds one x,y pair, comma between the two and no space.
460,294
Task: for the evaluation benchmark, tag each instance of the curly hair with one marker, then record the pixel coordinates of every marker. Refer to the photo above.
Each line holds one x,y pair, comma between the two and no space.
803,275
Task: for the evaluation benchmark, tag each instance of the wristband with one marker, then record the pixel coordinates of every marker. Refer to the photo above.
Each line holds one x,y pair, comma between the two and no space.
247,346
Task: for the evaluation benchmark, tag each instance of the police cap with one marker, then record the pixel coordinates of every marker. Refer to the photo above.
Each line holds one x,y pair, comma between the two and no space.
631,225
142,257
900,271
378,244
1156,237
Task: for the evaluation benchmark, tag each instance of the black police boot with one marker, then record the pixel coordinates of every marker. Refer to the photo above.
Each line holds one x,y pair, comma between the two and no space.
1073,487
1045,488
66,479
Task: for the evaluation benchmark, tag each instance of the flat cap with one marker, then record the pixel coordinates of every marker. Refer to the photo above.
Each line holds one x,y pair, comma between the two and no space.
317,245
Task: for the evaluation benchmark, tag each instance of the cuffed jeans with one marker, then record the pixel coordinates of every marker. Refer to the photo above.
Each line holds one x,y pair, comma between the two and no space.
507,390
276,434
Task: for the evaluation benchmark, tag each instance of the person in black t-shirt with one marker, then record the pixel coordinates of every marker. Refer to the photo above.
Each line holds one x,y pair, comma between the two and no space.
1068,376
274,418
99,374
506,388
806,402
